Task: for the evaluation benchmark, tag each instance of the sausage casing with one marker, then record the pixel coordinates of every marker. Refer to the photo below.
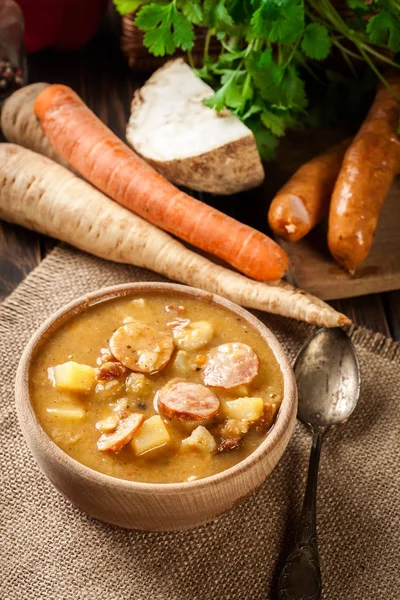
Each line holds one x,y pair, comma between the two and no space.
304,199
369,167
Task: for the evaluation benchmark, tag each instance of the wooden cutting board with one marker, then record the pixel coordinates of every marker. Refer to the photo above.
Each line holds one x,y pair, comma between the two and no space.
311,266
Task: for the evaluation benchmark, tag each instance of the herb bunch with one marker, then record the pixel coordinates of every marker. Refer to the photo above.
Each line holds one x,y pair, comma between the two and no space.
268,48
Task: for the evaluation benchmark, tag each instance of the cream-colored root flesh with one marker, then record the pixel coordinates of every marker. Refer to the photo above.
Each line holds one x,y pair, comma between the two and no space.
42,195
188,142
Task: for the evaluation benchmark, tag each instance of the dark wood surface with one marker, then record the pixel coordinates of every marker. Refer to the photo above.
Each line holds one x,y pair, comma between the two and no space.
102,78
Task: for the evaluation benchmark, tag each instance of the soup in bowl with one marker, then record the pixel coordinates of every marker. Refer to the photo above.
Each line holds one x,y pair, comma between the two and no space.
155,406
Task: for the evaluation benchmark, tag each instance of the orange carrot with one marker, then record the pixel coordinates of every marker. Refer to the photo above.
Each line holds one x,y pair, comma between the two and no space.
104,160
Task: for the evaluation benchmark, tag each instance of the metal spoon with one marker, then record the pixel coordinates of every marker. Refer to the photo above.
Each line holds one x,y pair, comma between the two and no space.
328,380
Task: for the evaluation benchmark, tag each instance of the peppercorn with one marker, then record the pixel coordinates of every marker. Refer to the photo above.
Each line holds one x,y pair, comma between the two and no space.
11,77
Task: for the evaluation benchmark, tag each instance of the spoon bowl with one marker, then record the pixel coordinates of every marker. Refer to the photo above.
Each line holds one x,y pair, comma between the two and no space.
328,379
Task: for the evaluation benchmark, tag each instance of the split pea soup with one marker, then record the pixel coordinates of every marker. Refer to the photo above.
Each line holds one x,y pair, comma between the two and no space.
157,387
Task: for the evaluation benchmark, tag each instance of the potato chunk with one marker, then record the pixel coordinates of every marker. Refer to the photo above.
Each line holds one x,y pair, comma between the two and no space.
67,414
193,336
182,364
249,409
152,434
200,439
73,377
137,384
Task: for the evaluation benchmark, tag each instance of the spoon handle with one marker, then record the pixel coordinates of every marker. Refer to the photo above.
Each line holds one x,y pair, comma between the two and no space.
301,576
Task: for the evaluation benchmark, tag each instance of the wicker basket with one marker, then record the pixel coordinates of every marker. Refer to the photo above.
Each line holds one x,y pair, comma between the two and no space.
139,57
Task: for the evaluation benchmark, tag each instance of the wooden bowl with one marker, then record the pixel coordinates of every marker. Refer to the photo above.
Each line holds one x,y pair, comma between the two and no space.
149,506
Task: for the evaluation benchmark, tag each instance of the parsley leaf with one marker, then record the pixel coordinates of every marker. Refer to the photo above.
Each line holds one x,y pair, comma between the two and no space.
192,10
183,34
218,100
385,28
230,94
280,86
293,89
266,74
128,6
274,122
278,21
152,15
240,10
358,5
166,29
217,15
265,140
316,43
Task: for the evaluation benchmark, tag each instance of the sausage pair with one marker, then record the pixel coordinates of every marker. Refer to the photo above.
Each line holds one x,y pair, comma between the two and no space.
355,176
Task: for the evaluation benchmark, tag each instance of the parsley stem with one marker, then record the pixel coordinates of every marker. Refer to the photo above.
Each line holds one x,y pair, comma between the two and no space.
207,45
381,78
258,45
346,56
325,7
345,50
307,67
190,59
246,86
293,51
381,57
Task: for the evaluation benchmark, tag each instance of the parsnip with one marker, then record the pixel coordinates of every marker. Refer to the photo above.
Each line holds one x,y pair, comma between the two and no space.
42,195
20,125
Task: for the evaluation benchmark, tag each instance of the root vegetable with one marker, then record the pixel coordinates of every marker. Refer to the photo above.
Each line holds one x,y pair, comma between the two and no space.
20,125
187,142
41,195
304,200
99,156
369,167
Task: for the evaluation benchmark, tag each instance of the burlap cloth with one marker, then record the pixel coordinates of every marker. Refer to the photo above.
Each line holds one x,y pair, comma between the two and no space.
50,550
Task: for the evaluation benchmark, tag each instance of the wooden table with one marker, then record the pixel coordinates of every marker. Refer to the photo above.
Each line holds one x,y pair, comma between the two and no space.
101,76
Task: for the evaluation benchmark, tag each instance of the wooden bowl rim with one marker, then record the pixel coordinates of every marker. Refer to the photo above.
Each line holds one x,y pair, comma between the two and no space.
75,307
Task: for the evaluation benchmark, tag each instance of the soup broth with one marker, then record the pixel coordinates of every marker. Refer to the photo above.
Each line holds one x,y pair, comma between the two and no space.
156,388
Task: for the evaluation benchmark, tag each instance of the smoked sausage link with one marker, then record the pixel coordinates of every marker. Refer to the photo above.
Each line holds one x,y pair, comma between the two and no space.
304,200
113,442
369,167
188,401
230,365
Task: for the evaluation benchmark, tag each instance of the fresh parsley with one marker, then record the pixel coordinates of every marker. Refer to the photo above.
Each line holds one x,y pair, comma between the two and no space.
268,49
166,29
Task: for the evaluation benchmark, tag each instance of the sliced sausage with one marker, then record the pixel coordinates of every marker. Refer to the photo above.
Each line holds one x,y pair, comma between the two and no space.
188,401
230,365
141,348
108,425
113,442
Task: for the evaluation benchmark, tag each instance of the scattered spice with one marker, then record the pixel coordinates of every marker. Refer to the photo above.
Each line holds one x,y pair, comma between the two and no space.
11,77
